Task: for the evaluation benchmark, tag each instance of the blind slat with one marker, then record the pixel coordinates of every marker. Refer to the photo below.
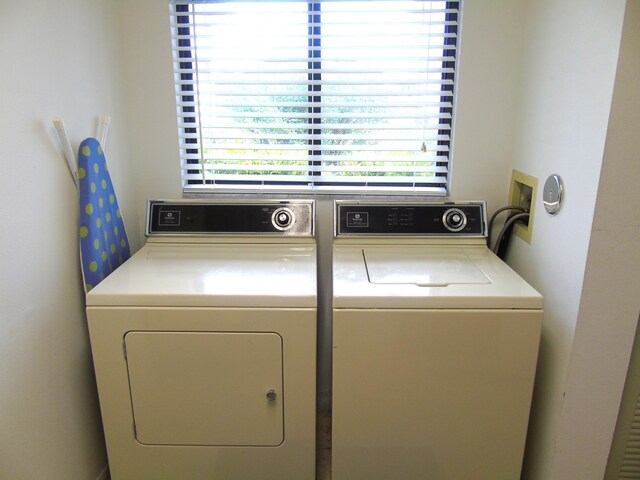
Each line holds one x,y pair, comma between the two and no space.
346,137
328,178
315,83
231,148
324,159
379,116
321,168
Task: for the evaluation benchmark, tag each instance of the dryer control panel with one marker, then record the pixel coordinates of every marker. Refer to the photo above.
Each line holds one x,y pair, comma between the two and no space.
278,217
410,219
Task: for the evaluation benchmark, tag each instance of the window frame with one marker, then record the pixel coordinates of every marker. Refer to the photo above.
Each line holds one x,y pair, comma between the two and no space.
183,12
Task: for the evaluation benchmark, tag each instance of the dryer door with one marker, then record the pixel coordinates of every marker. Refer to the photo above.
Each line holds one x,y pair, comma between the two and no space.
206,388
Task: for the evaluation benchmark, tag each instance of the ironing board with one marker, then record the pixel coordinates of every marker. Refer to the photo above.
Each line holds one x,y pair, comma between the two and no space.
103,240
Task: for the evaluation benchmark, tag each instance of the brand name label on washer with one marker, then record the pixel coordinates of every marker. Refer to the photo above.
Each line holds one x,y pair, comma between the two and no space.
357,219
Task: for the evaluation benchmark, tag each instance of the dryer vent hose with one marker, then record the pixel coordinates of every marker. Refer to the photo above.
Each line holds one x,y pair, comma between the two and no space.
502,240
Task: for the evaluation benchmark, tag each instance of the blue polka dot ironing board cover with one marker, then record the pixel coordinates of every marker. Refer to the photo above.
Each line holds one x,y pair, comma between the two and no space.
103,241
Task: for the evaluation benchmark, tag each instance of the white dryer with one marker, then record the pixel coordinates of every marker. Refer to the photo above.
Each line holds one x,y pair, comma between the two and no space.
435,342
204,344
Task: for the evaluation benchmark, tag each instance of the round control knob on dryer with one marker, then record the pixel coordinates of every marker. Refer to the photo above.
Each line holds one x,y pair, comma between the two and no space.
454,220
282,219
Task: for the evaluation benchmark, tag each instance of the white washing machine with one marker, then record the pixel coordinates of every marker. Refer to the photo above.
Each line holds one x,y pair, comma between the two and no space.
204,344
435,343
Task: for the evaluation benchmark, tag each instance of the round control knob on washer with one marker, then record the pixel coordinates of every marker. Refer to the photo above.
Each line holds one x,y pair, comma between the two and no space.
283,219
454,220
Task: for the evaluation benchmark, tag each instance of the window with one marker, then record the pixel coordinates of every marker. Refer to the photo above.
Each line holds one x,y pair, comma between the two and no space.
315,96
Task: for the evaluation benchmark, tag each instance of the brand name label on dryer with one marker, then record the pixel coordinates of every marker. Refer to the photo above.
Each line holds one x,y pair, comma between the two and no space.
358,219
171,217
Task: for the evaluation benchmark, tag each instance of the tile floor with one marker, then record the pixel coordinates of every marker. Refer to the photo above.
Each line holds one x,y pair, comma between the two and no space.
323,448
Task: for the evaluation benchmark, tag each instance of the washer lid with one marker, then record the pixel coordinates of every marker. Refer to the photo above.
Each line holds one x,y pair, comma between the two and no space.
427,270
409,276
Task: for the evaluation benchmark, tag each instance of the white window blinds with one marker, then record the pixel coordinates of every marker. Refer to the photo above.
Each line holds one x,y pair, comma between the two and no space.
330,95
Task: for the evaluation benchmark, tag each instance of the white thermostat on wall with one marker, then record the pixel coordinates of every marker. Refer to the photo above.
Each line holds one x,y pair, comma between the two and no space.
552,194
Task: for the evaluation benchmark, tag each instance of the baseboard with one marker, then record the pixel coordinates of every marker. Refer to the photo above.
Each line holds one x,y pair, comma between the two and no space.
104,474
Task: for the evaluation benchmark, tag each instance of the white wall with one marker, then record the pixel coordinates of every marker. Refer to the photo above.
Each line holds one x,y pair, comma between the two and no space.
610,300
568,72
150,93
535,87
487,93
59,58
535,90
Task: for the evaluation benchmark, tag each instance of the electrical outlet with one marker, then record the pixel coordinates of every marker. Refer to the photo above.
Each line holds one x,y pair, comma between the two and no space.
523,194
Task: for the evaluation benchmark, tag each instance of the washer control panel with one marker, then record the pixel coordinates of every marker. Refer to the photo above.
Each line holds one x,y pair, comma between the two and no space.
183,217
410,219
